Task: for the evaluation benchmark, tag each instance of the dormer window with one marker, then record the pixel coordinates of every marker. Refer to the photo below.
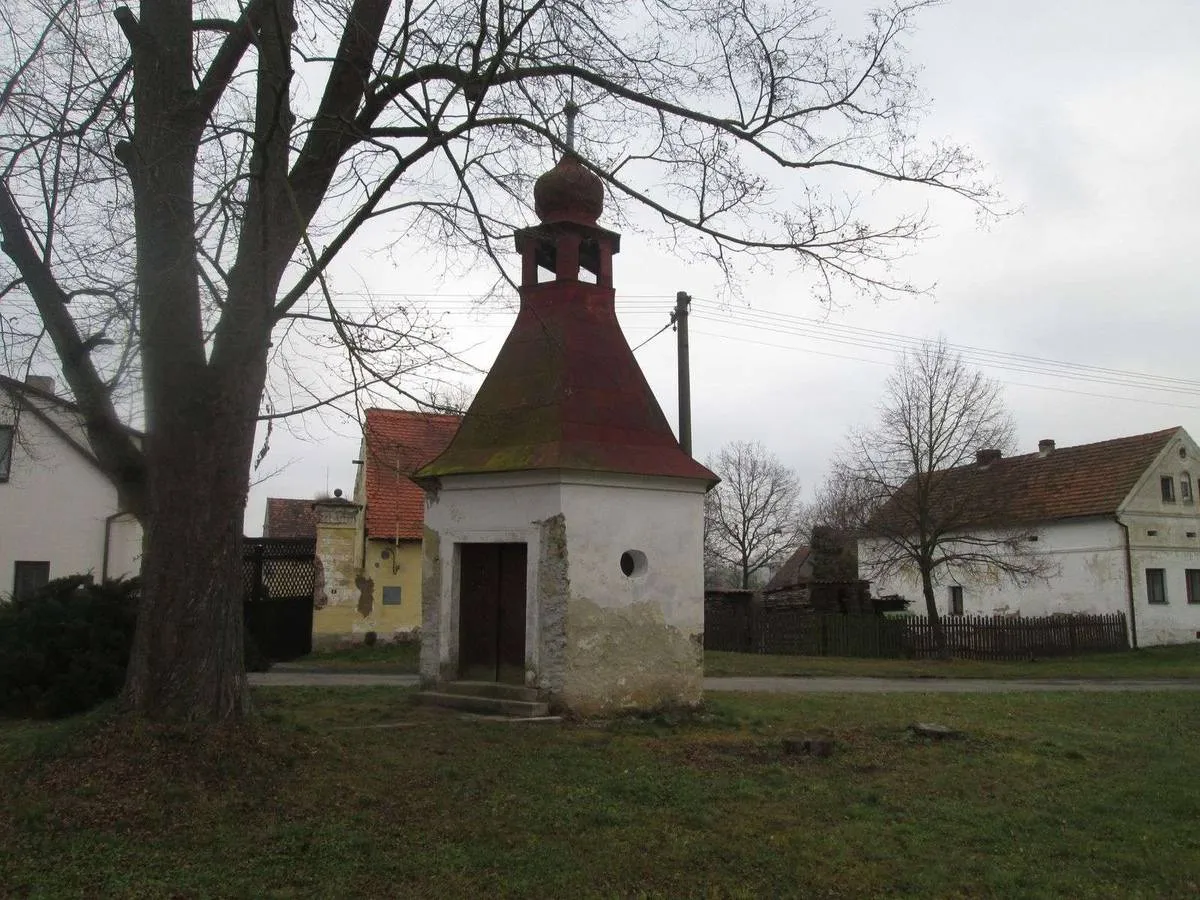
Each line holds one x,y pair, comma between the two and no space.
1168,489
1185,487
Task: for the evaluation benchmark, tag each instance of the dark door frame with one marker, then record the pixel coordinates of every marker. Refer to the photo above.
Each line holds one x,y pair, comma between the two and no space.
492,620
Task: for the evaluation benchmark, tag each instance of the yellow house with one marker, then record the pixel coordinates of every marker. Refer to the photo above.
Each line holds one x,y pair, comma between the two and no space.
369,550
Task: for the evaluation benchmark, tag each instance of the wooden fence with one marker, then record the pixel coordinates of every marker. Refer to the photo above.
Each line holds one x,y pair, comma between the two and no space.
278,576
751,627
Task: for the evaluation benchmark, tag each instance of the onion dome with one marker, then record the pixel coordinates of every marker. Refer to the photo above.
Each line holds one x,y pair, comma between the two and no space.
570,192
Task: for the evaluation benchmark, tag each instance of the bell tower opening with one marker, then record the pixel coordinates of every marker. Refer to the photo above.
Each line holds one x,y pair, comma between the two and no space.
568,243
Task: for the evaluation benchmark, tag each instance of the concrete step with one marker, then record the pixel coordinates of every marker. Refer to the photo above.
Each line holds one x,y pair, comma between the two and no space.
524,709
498,689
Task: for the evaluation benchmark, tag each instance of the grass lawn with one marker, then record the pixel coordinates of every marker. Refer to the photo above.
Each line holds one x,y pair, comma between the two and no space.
1049,795
1181,661
398,658
1158,662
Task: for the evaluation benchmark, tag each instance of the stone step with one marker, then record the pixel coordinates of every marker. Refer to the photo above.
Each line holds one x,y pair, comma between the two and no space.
497,689
524,709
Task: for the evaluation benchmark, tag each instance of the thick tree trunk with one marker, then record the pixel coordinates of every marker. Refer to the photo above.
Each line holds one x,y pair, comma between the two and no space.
187,661
935,619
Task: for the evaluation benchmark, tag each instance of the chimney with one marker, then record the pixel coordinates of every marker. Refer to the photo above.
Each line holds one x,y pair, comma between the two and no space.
42,383
986,457
1045,447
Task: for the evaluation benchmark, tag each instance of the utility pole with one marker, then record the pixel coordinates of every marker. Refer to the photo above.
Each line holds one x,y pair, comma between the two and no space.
680,318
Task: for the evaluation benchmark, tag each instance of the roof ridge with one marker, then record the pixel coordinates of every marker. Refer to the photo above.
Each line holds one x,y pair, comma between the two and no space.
1037,454
1163,432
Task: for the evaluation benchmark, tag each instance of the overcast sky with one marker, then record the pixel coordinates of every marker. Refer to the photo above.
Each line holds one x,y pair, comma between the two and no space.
1086,112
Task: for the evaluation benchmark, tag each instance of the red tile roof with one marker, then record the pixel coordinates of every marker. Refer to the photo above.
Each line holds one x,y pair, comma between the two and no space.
289,518
397,443
1070,482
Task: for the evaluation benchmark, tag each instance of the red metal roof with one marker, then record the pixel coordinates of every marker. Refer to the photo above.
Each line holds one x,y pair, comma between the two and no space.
397,443
290,518
566,393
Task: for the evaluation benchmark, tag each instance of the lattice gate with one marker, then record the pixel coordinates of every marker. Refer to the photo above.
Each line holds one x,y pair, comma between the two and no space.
278,577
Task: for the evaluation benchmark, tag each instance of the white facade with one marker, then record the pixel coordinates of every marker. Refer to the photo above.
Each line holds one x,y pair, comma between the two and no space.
1091,567
597,639
56,506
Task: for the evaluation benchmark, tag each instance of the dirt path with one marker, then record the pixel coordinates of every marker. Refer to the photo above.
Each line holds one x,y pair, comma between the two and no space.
790,685
314,678
834,685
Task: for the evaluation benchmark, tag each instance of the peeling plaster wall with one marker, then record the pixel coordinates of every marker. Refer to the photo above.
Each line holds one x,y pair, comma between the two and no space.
401,568
634,640
1091,577
553,592
349,595
337,595
431,601
596,640
1089,556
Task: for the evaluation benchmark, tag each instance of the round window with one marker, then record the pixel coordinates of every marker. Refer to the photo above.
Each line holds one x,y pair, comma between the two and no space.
633,563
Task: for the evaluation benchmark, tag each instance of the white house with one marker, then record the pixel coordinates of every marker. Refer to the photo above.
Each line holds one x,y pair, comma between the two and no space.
1116,522
61,515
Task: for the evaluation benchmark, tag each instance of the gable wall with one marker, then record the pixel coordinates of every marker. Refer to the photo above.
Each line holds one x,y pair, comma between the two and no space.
1166,535
1146,498
53,508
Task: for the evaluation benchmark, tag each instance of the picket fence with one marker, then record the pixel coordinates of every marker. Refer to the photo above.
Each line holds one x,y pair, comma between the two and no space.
749,627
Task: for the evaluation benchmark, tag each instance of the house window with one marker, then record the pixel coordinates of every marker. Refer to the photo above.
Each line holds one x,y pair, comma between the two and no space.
6,443
1185,487
1156,585
29,577
1168,489
391,596
956,600
1192,576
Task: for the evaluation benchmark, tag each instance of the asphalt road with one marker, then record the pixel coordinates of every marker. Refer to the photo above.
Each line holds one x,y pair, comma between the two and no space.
793,685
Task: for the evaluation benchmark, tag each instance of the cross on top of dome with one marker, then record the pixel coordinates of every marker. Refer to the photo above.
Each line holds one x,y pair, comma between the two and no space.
570,192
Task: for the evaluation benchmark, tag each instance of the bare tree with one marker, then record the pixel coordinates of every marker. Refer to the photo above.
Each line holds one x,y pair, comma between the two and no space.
751,518
842,505
175,184
832,522
939,511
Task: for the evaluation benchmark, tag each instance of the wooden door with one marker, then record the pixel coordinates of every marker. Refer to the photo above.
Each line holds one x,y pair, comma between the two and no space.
491,612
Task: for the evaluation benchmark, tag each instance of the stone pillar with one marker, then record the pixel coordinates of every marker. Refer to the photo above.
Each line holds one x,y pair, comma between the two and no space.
336,596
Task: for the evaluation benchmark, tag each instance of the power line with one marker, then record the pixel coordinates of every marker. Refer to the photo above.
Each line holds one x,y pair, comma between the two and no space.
894,339
880,362
653,336
865,338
